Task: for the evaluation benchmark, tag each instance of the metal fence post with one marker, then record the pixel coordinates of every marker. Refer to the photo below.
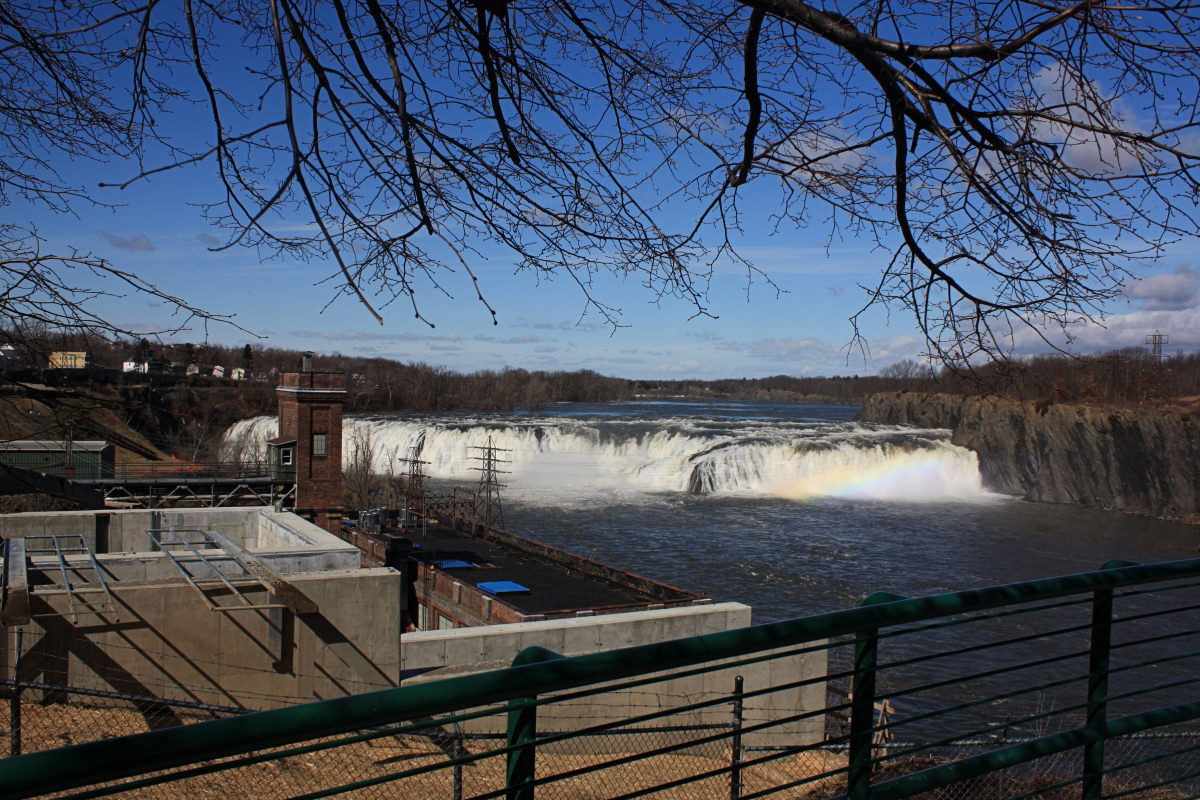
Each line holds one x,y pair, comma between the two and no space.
1097,699
456,753
522,759
862,714
522,732
14,728
862,704
735,771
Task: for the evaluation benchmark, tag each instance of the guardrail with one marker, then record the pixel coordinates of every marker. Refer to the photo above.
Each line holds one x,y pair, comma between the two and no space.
1083,686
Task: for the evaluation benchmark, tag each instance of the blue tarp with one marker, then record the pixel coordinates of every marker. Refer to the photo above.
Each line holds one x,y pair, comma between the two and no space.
500,587
452,563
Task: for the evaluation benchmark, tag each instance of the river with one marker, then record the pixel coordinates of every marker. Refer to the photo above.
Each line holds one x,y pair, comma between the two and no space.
791,509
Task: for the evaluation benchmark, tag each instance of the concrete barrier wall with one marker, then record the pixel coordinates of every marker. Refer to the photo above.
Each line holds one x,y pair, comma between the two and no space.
284,542
58,523
152,633
163,641
428,655
252,527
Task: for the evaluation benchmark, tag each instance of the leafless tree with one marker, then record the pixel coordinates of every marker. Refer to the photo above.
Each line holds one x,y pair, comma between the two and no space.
358,478
907,371
44,292
63,102
1012,160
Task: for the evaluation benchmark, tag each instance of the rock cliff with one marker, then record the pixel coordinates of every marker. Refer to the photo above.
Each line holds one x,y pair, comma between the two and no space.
1140,461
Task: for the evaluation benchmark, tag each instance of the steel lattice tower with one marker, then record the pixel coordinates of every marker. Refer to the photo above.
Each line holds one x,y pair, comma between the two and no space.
414,483
1156,341
488,512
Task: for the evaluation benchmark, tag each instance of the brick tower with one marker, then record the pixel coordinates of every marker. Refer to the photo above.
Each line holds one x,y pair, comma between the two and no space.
310,438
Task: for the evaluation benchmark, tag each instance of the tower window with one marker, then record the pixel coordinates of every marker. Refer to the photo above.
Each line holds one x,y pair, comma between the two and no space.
319,444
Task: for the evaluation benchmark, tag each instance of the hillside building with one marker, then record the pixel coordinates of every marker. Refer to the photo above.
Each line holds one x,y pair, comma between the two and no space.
69,359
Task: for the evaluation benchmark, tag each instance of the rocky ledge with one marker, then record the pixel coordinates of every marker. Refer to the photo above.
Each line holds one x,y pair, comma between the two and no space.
1136,460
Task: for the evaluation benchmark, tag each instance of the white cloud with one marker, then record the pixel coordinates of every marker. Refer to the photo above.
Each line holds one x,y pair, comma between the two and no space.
1182,327
799,351
139,243
1167,291
686,366
363,336
1082,102
483,337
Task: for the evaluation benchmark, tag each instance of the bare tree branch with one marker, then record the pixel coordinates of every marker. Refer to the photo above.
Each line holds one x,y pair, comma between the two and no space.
1014,161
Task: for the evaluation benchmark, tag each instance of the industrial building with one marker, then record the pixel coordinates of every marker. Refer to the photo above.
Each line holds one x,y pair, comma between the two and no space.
255,607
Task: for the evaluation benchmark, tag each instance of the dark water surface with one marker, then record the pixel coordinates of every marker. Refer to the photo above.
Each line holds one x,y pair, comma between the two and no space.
787,558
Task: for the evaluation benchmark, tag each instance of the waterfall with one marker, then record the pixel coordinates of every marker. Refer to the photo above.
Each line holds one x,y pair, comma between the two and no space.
567,457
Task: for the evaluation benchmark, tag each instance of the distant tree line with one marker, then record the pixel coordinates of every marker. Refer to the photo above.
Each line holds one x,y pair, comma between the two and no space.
1130,376
187,417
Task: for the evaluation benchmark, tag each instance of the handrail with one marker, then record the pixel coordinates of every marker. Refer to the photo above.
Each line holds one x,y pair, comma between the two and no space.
85,764
160,469
946,774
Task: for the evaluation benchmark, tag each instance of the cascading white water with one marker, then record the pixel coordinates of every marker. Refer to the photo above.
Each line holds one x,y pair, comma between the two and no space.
567,460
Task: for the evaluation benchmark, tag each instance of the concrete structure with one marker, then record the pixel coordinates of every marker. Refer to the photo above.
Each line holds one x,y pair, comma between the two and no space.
244,607
254,608
429,655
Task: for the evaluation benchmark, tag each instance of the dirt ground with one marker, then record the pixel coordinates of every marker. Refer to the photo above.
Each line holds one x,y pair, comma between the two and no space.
374,765
416,767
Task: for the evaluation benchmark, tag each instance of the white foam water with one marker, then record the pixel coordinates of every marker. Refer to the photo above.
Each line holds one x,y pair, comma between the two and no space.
593,458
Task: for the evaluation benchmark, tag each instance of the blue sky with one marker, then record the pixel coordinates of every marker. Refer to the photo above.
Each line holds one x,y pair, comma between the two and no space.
158,231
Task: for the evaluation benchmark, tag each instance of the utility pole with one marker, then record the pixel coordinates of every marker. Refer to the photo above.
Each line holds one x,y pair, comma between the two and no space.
488,513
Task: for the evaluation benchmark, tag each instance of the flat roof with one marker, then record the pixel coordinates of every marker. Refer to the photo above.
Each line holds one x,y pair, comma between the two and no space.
559,581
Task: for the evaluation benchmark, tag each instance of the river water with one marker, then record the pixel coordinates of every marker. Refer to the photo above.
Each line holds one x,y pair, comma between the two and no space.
791,509
798,509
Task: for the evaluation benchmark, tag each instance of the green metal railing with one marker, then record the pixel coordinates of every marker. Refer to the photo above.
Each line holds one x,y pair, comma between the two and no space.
1084,686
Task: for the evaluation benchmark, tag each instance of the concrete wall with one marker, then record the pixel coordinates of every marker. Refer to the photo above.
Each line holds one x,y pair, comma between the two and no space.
428,655
162,640
157,635
283,541
153,633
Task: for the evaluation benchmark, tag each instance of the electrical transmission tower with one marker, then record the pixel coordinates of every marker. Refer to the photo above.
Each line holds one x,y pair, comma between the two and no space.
1156,341
1155,388
488,513
414,483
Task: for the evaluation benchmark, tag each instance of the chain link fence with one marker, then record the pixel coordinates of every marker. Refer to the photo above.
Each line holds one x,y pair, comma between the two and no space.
660,761
1011,700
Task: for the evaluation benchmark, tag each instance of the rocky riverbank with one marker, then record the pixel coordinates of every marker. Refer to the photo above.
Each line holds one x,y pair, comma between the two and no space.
1142,461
